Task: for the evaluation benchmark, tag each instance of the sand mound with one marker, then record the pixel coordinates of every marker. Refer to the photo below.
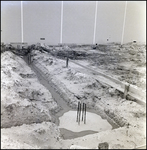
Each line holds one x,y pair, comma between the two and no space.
77,76
23,99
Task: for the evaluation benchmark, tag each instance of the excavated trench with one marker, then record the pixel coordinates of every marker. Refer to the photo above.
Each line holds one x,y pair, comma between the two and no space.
64,106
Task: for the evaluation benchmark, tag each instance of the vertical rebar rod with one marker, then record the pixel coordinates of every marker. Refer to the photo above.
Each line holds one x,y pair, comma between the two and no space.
85,115
82,111
77,112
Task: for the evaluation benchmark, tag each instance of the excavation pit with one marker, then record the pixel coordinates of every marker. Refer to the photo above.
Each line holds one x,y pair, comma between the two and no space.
70,128
67,133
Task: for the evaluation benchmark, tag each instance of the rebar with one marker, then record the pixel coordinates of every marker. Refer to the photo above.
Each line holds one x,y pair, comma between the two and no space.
81,107
85,115
79,112
82,111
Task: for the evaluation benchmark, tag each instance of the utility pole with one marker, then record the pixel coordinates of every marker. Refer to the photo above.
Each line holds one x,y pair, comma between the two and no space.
61,22
95,23
124,23
22,21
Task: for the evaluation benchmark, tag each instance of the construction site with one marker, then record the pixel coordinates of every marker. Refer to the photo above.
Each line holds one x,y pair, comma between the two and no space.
73,96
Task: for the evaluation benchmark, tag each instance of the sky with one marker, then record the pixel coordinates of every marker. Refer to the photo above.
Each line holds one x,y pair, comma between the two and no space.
42,19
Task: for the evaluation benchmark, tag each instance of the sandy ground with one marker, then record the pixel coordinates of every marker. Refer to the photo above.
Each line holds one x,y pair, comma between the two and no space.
20,127
126,62
84,87
23,99
33,136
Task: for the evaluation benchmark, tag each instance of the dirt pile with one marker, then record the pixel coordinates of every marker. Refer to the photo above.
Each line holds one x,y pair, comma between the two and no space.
23,99
71,51
72,54
35,136
76,76
126,62
23,93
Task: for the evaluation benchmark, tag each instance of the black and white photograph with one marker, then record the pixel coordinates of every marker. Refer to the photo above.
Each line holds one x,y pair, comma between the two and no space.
73,74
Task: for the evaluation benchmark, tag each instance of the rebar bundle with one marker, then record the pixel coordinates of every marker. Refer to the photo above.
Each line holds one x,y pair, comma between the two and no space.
79,109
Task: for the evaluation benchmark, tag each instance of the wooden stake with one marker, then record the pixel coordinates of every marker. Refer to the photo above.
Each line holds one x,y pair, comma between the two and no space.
67,62
126,90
